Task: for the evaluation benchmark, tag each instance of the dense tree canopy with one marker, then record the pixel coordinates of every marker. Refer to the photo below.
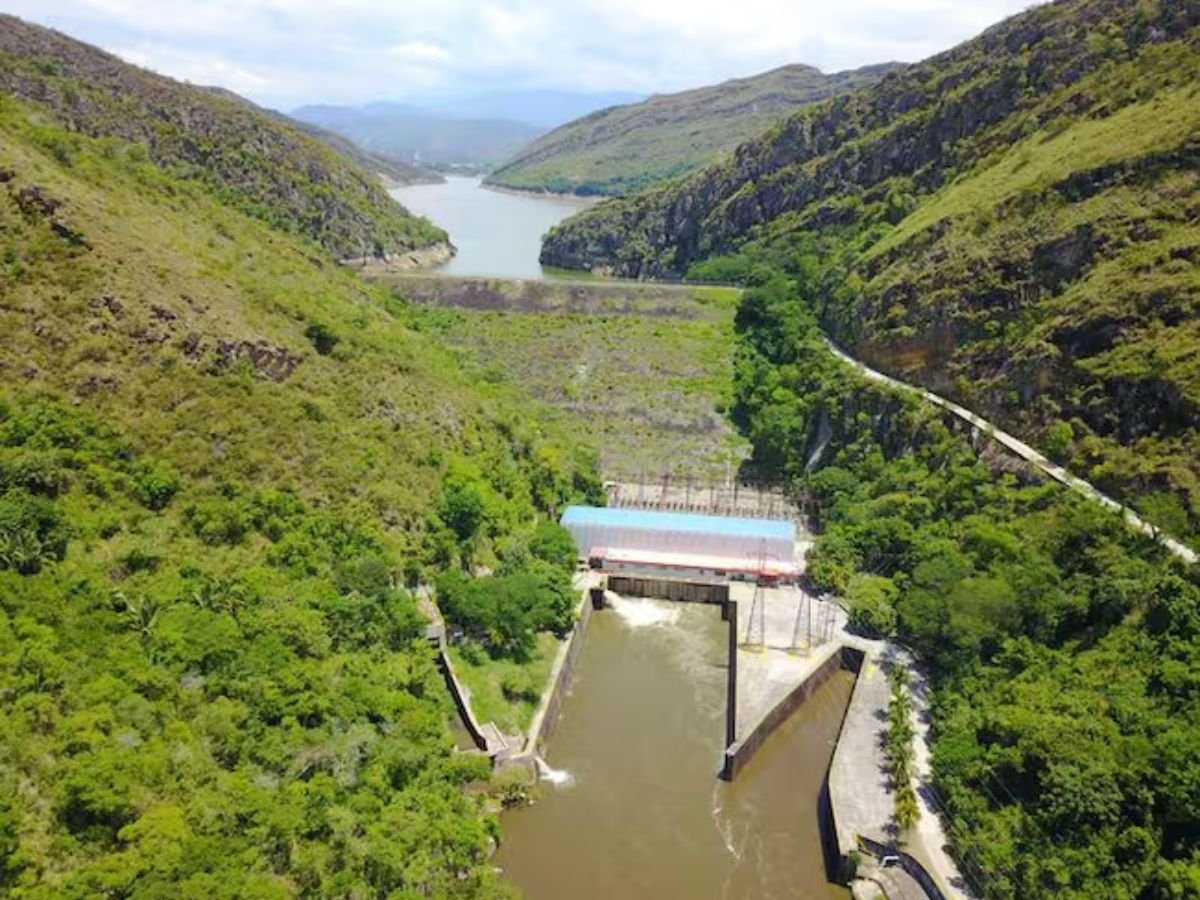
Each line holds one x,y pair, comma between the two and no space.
219,691
1065,647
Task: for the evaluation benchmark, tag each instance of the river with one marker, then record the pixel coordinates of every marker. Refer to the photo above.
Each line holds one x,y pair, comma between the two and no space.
496,233
640,813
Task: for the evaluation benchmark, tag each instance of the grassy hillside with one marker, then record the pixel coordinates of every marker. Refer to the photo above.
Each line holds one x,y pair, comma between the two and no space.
427,137
1011,222
642,372
221,458
624,149
251,159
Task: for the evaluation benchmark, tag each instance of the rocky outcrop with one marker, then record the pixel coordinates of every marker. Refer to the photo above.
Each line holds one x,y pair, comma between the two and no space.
35,203
424,258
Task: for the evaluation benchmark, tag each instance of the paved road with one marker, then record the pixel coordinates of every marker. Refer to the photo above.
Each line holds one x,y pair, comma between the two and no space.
1025,452
899,885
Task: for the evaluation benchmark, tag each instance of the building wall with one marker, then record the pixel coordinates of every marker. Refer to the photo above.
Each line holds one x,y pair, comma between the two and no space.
590,534
674,571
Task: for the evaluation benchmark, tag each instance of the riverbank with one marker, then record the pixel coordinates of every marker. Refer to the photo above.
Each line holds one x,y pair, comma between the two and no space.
395,263
584,200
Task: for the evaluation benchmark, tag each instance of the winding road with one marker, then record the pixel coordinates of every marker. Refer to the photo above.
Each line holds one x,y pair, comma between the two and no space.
1019,448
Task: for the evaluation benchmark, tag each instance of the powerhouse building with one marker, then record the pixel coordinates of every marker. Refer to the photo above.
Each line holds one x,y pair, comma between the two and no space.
686,544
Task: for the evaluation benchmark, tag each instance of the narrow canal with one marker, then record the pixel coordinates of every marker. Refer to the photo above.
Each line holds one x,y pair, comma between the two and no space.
638,811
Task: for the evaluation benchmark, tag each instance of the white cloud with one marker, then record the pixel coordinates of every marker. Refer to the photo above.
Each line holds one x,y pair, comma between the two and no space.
197,68
287,52
421,52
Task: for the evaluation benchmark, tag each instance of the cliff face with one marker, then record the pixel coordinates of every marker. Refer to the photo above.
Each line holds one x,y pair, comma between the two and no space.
619,150
258,163
1012,223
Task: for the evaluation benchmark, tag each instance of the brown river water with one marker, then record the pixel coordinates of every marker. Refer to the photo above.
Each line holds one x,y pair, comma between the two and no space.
634,809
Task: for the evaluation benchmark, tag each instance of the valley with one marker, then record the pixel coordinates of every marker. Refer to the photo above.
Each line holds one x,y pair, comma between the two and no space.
334,489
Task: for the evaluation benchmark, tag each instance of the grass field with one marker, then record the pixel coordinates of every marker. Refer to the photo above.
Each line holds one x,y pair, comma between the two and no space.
642,372
504,691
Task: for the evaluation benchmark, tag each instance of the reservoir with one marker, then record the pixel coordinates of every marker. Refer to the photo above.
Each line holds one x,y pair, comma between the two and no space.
635,809
497,233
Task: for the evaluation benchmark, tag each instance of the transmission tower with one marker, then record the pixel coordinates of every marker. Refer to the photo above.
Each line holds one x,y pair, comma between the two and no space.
756,623
803,622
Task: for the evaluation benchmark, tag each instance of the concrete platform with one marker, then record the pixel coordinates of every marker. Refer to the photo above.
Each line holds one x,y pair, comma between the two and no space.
860,790
768,673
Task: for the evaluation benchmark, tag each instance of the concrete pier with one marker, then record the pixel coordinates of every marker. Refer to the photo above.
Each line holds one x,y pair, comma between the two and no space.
774,666
860,790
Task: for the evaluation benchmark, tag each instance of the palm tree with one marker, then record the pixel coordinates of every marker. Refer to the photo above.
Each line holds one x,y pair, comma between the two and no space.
908,810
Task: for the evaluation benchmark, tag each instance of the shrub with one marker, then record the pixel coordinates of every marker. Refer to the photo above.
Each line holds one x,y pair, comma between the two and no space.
322,339
513,785
871,599
154,484
219,521
553,544
518,686
32,532
37,471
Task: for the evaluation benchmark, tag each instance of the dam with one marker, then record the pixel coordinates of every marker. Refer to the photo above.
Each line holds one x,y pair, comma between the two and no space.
651,700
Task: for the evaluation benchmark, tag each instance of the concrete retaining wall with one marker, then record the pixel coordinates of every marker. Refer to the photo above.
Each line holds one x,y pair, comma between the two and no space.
741,751
846,842
548,711
459,696
669,589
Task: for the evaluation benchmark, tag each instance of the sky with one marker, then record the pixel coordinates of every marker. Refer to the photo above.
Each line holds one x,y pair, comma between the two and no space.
284,53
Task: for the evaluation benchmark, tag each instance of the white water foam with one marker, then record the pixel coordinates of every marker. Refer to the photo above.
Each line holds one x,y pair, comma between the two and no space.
639,612
725,827
557,777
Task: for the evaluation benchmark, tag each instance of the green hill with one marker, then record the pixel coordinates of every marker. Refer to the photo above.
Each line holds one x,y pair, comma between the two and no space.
252,159
624,149
222,456
1011,222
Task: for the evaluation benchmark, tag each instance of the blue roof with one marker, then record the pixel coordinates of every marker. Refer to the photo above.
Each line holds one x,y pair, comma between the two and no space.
676,521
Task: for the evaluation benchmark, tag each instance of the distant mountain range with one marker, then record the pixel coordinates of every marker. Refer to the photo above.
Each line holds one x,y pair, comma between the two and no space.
422,137
622,149
545,108
475,132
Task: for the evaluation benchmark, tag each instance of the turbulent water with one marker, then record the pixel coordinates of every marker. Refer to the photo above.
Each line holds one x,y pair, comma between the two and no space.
496,233
630,804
